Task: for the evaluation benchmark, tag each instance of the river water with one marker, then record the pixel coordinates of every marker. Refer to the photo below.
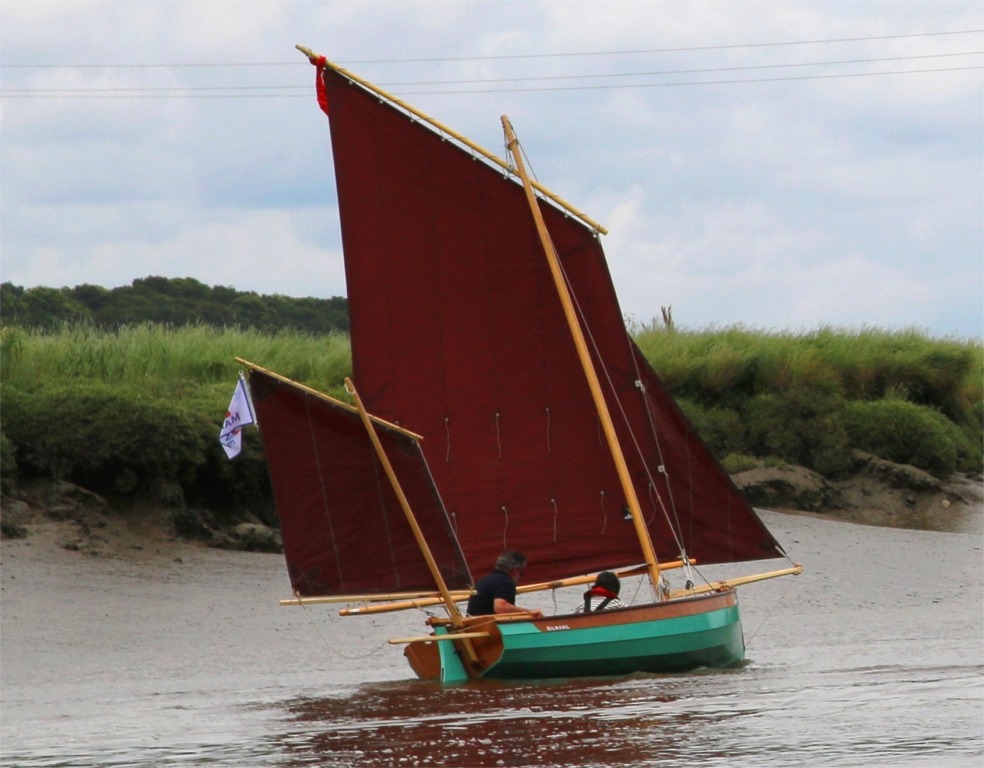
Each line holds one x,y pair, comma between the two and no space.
183,657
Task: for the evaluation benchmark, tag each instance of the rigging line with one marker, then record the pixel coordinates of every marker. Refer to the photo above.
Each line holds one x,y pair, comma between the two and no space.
635,596
331,646
506,57
142,94
381,483
772,610
324,490
625,419
632,347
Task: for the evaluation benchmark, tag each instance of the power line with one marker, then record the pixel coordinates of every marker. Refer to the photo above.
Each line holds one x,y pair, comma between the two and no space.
149,93
479,81
663,72
674,50
503,57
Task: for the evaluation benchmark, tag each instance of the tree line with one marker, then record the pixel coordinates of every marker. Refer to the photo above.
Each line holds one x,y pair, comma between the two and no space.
176,302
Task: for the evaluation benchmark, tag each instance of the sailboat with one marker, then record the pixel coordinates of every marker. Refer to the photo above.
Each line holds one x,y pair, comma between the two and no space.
501,404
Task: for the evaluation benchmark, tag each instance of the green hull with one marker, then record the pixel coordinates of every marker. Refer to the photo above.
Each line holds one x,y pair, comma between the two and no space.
665,637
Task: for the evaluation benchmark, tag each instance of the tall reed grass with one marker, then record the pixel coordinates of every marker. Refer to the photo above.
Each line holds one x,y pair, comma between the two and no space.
716,365
167,361
804,398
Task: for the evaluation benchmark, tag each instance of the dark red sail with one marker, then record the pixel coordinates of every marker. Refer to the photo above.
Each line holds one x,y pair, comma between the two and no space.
343,529
458,334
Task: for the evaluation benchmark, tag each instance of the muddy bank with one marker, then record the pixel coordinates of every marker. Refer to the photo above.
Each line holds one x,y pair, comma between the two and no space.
879,493
73,518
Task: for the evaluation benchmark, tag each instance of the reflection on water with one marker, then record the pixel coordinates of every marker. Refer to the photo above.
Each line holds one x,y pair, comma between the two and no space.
624,721
751,716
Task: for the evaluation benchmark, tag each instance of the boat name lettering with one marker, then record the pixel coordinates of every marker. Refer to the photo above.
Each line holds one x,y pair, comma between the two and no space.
558,626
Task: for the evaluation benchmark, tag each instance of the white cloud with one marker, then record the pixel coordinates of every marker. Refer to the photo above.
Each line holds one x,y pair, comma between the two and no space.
783,204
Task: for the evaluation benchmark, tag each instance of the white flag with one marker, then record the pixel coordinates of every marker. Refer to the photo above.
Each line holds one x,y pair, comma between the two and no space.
240,414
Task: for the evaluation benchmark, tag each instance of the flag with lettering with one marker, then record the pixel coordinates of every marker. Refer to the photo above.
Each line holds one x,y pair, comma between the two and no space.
239,415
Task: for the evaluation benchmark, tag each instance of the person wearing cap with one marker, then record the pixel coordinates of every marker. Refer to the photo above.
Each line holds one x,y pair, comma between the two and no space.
496,593
603,594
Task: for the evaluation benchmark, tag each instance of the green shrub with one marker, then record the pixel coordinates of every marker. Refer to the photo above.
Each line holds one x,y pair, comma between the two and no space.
734,463
907,433
109,439
8,458
721,429
802,427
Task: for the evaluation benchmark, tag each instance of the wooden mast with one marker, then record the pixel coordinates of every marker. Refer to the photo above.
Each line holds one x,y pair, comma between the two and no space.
442,586
582,350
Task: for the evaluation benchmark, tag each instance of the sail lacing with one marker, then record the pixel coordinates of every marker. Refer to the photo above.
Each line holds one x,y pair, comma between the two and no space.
554,503
447,434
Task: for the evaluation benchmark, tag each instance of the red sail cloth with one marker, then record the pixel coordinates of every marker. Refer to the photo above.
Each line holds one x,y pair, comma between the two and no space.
458,334
343,529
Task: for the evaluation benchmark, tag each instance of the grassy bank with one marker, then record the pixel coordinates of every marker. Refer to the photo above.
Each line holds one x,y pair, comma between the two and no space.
136,412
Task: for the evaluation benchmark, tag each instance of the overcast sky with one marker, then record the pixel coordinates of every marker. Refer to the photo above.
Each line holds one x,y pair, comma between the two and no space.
753,161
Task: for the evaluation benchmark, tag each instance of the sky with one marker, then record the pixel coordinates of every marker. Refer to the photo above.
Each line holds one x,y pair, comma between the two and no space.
781,166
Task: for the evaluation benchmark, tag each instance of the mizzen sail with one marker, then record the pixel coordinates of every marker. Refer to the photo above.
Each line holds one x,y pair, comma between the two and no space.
343,529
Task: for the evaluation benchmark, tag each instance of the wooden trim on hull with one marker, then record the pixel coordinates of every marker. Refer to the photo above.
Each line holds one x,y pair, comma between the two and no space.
660,637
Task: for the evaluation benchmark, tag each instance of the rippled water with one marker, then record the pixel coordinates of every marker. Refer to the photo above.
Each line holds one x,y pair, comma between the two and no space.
874,657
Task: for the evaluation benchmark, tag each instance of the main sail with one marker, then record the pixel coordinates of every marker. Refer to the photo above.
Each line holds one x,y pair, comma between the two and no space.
343,529
458,334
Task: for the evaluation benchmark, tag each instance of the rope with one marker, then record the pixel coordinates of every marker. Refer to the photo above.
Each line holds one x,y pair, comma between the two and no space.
505,526
772,610
335,650
323,487
498,438
447,432
589,336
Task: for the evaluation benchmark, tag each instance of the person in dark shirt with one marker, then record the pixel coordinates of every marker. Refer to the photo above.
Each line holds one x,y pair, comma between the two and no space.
496,593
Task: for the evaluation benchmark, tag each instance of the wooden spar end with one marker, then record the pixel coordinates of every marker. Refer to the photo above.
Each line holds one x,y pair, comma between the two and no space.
438,638
306,51
726,584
